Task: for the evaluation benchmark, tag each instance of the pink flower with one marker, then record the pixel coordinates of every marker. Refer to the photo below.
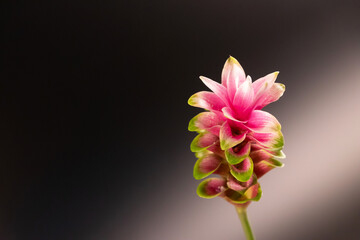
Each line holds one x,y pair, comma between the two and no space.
237,140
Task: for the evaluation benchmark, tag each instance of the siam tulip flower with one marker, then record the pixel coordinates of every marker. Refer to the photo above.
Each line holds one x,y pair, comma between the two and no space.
236,139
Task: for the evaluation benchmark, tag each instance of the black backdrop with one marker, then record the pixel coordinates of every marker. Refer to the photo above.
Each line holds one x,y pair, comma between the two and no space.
93,97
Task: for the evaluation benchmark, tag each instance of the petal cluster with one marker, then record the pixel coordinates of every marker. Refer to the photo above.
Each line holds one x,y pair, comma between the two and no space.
236,139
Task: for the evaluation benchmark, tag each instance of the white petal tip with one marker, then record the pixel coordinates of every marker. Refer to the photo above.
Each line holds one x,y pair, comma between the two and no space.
248,78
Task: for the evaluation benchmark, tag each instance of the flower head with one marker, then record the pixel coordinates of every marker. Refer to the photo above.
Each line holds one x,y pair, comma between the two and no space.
236,140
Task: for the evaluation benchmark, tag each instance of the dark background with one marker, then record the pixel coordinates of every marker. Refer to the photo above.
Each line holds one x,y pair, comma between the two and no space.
94,114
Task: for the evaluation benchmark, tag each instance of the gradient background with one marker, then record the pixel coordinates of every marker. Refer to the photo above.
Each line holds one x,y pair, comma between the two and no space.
93,127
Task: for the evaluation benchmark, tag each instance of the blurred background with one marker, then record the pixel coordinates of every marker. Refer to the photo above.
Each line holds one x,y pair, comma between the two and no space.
94,115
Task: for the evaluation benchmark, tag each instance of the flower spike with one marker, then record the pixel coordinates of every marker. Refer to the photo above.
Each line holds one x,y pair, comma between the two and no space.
236,139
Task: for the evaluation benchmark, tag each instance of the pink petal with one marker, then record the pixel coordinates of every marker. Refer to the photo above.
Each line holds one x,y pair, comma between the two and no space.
230,137
215,148
230,114
243,100
237,185
223,169
271,95
273,140
209,163
211,187
238,153
263,154
206,100
206,165
215,186
253,191
260,155
261,169
261,121
242,171
209,121
264,166
217,88
232,76
264,83
243,166
203,141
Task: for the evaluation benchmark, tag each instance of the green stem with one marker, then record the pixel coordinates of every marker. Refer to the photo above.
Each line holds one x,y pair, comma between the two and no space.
245,223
